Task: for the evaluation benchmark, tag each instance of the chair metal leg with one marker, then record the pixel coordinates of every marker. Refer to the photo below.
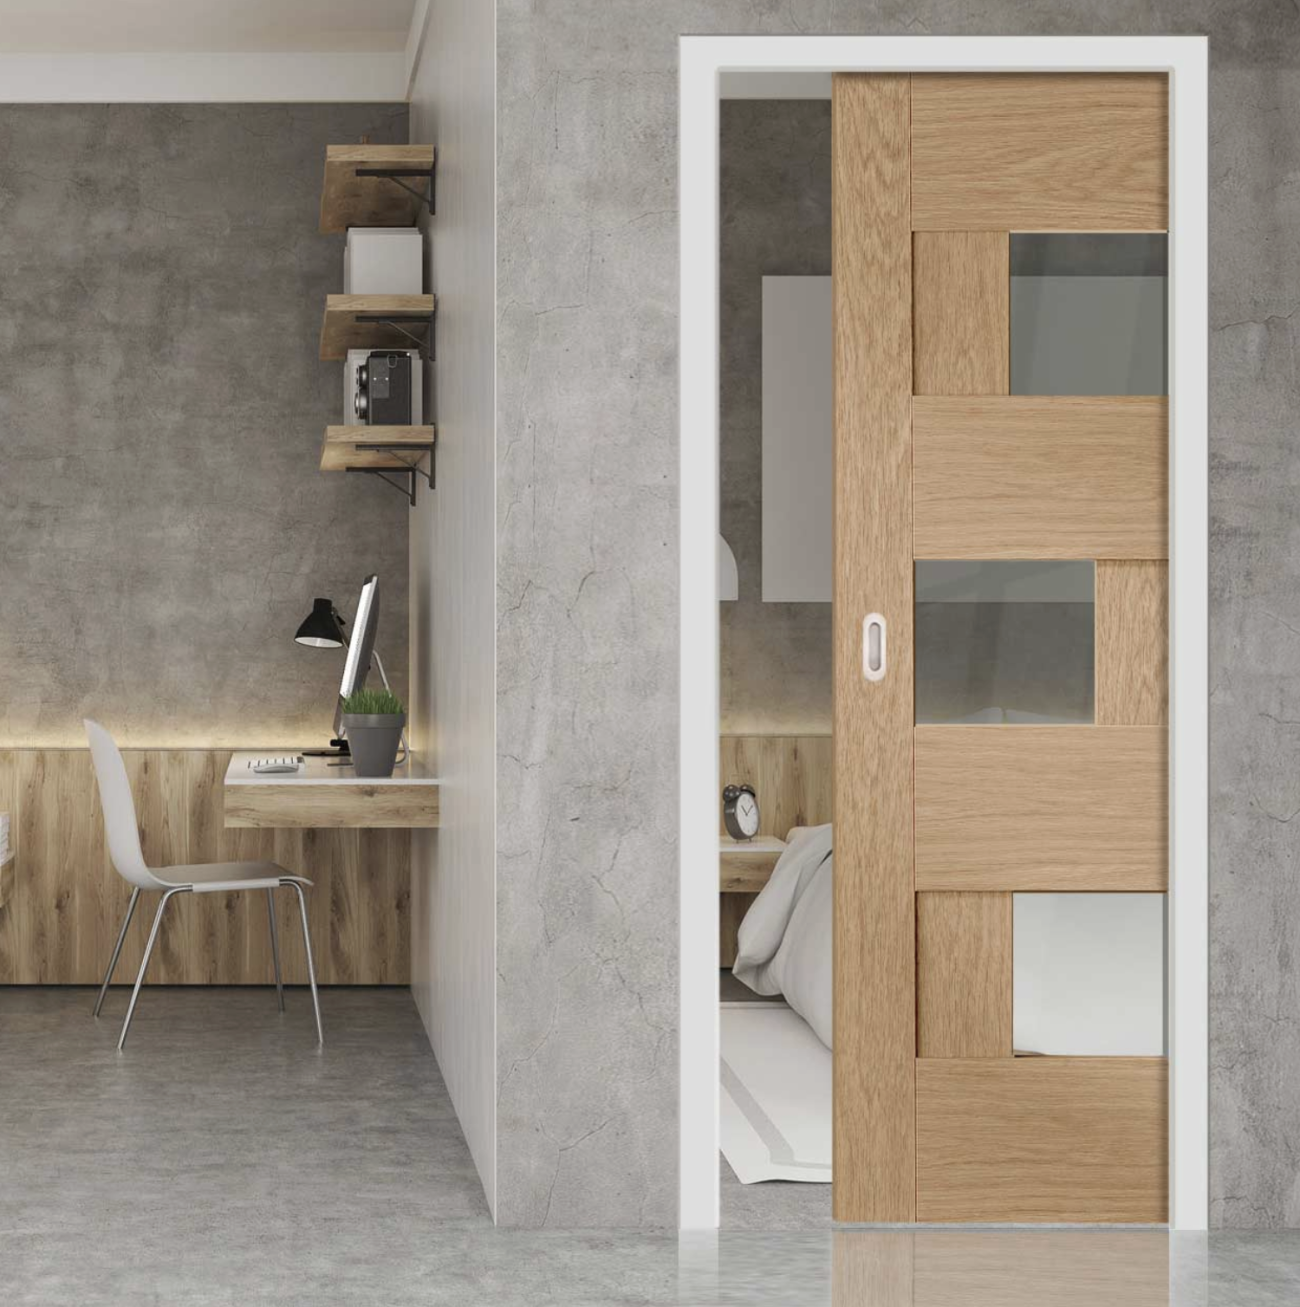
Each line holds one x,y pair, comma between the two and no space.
144,962
275,946
117,948
311,966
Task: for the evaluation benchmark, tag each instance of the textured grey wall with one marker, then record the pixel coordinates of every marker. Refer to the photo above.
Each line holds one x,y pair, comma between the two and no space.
587,434
163,524
775,221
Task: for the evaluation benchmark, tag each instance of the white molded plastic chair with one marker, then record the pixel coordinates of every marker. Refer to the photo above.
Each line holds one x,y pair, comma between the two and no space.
123,834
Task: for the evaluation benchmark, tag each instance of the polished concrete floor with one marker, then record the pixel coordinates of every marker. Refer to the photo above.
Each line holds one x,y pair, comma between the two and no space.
223,1159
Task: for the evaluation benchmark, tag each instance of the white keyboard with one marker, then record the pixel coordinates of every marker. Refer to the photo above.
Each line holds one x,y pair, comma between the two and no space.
269,766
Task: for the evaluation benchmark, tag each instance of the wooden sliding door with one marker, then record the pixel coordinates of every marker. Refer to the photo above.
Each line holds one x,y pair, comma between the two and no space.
1000,425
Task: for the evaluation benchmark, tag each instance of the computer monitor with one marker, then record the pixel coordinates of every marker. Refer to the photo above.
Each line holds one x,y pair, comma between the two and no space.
361,648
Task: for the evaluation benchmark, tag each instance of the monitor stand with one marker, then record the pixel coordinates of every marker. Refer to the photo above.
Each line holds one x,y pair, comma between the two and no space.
338,749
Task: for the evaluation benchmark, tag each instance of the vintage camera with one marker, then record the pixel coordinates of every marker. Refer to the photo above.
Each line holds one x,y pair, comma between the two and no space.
383,391
375,393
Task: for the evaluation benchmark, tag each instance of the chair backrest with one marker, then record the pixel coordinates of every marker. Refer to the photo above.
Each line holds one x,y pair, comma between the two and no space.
120,824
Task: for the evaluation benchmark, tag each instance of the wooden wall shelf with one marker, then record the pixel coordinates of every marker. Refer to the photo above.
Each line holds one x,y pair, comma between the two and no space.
369,200
341,451
366,322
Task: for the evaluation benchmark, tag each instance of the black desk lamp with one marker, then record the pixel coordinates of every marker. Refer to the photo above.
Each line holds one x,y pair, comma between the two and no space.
323,629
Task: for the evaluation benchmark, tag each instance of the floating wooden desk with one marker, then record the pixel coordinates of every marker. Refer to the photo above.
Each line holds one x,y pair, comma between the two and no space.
321,795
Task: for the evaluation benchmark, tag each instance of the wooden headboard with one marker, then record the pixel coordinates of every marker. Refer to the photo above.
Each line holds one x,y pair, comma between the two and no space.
791,775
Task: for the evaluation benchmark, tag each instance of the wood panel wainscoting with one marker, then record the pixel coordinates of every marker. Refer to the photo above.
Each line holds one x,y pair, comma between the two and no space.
66,904
791,775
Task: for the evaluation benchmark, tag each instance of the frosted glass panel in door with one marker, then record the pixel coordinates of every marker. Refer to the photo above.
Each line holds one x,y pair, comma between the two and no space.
1088,314
1089,975
1004,642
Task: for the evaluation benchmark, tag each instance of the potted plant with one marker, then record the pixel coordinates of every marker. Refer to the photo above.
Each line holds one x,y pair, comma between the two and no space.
373,720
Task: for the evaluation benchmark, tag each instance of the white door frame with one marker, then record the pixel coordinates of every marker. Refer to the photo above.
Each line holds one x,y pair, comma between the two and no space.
1186,59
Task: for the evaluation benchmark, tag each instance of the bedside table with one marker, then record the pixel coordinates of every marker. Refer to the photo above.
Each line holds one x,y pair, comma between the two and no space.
746,865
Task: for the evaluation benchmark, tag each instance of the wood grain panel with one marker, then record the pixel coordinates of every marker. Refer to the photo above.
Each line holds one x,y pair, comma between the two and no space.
1040,152
963,975
1132,649
875,939
321,806
67,902
1073,1139
1042,808
961,313
1038,1268
791,776
1025,476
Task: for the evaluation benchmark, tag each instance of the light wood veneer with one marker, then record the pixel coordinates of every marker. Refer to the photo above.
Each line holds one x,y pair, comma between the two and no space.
1069,1139
1021,476
1040,152
961,290
1132,643
875,929
963,975
1042,808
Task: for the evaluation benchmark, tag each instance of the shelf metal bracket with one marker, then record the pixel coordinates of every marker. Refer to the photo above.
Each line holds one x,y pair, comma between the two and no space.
427,197
427,345
412,470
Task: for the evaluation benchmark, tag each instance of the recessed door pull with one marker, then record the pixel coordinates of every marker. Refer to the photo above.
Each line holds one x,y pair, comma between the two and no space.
873,647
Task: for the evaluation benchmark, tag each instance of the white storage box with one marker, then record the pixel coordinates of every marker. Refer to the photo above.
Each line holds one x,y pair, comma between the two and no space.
383,261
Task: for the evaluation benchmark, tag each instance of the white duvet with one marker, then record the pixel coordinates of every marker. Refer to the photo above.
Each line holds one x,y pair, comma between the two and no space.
785,938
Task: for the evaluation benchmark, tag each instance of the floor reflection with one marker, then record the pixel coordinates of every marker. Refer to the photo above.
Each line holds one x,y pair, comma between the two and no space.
990,1268
1000,1268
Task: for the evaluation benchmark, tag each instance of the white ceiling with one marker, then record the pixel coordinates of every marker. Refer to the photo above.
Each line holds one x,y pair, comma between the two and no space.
202,26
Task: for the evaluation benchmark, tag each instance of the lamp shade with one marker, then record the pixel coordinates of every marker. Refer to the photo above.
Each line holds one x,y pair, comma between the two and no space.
321,630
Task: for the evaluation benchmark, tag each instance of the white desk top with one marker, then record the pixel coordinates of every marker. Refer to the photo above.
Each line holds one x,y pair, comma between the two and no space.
318,771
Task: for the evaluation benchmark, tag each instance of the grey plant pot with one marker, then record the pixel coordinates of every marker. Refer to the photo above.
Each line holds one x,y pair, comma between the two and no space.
374,739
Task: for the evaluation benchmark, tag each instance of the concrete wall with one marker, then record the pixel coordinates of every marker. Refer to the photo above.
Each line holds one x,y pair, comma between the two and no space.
163,523
587,432
453,923
776,221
